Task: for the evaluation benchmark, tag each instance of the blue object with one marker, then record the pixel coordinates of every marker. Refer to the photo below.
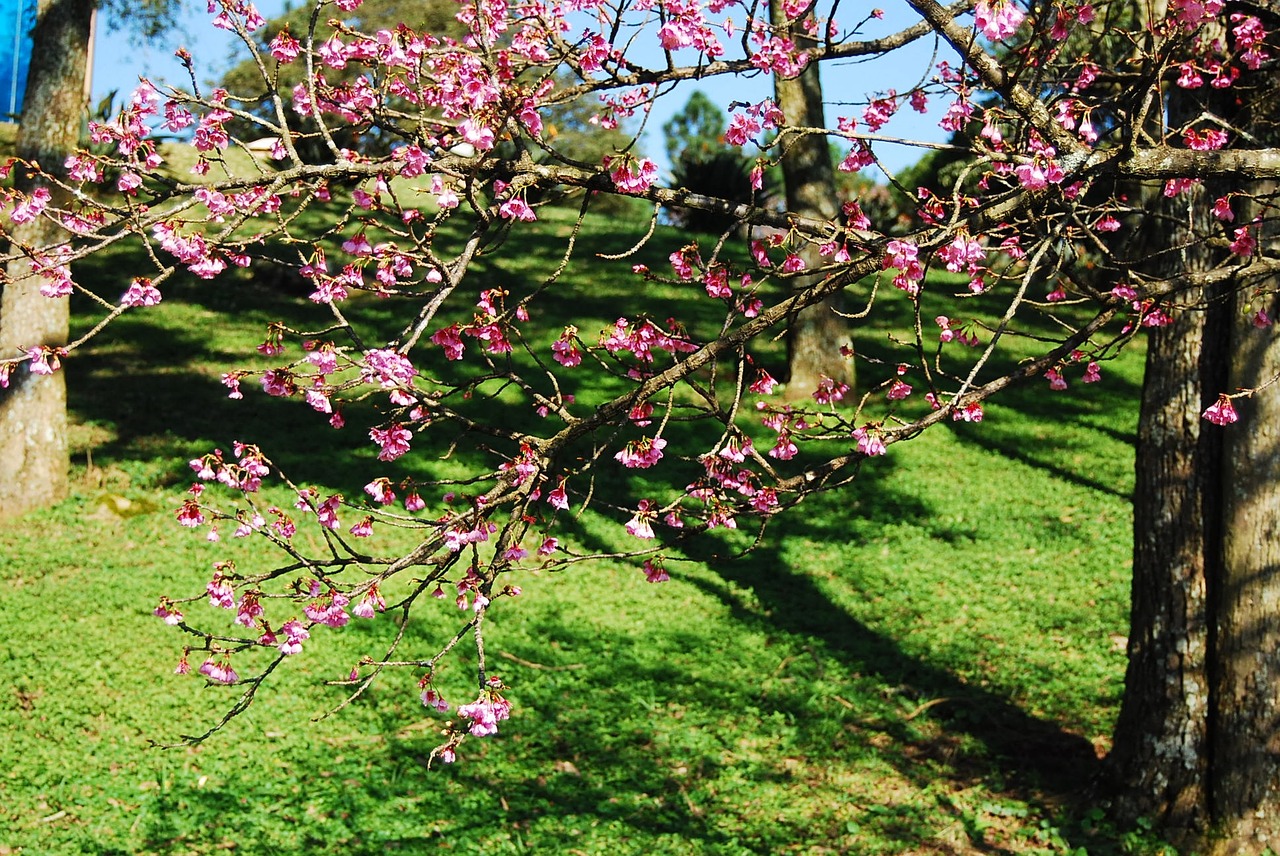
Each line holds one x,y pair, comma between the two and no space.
17,22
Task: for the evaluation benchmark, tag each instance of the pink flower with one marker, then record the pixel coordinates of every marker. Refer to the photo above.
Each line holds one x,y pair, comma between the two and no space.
285,48
487,711
331,611
947,334
220,593
249,611
764,383
784,449
736,449
44,360
1208,140
654,572
392,441
829,391
219,672
1221,412
141,293
1222,209
999,19
1188,78
904,257
634,176
880,110
760,252
517,209
1244,243
371,602
167,613
294,635
870,443
450,338
639,525
641,454
792,263
564,350
898,391
683,262
961,253
327,512
29,209
380,490
433,699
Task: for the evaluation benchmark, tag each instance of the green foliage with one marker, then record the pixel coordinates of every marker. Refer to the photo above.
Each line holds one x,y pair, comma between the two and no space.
142,19
723,173
696,131
921,664
702,163
570,134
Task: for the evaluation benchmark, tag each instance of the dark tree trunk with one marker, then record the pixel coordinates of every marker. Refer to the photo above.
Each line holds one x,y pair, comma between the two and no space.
1246,727
817,334
33,411
1162,742
1197,745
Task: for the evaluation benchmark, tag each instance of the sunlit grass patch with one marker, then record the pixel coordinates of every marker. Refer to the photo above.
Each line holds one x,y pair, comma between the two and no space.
921,663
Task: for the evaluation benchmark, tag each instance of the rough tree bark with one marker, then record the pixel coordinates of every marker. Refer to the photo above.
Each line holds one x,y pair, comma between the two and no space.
817,334
1245,718
1197,744
33,411
1161,756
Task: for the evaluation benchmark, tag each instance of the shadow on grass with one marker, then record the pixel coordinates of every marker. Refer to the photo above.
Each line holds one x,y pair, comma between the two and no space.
1034,756
1055,455
607,769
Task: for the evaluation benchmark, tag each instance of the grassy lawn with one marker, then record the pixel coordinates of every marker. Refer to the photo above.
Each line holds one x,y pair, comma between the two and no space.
928,662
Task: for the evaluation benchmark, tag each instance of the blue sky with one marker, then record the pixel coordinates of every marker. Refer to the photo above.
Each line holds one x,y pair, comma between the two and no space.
119,63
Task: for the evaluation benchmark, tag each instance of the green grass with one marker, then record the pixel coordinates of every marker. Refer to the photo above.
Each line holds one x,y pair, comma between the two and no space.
927,662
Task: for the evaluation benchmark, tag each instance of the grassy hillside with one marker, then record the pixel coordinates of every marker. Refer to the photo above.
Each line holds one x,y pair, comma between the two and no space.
926,663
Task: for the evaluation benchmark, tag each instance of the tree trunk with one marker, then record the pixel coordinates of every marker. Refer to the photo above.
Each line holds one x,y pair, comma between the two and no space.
1197,744
1246,747
816,335
33,411
1162,757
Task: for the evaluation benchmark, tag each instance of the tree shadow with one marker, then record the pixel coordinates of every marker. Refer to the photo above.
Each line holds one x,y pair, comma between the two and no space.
1041,759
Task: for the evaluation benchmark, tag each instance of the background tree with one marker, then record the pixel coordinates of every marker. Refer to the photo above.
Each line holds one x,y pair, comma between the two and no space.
703,163
817,339
696,131
33,409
